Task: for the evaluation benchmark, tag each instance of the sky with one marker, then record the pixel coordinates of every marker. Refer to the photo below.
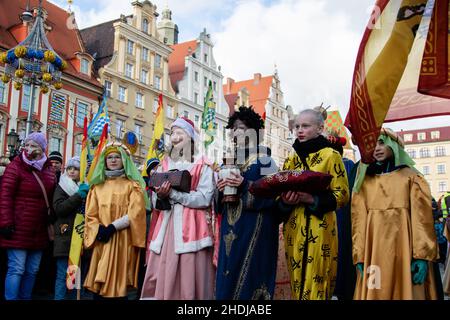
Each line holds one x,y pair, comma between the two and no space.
311,43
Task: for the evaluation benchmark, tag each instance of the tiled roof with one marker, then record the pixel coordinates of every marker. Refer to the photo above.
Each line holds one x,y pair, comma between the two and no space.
64,40
444,135
99,42
177,59
259,91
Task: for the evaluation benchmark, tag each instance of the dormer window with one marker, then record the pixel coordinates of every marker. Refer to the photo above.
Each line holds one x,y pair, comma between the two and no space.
84,66
145,25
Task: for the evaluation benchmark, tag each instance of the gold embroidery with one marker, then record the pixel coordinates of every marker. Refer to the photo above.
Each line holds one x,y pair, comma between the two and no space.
229,238
234,212
261,293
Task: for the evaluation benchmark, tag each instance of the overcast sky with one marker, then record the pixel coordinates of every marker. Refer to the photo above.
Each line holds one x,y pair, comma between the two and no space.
313,43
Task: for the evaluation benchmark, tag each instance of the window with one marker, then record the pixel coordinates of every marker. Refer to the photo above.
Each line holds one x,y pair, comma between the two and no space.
408,137
157,61
108,88
186,114
84,66
197,119
3,92
57,108
169,111
145,54
55,144
442,186
145,25
421,136
424,153
435,134
157,83
205,58
140,100
441,168
426,170
129,70
215,86
196,76
195,97
122,94
205,81
411,153
130,45
144,76
155,105
77,149
439,151
26,97
138,132
120,125
82,111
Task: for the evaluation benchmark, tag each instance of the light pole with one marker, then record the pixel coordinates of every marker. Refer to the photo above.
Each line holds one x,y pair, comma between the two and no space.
13,141
33,62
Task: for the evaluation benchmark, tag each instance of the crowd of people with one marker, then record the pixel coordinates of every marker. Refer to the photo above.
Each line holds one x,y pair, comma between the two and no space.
373,232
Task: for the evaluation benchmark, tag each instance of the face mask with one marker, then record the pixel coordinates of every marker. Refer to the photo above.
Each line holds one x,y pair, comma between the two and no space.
31,151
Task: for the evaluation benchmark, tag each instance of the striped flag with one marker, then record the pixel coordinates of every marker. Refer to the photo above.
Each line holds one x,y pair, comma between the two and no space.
209,116
101,118
98,151
156,149
381,61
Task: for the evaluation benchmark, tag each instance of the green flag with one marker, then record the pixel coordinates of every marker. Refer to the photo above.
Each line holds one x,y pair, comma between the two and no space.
209,116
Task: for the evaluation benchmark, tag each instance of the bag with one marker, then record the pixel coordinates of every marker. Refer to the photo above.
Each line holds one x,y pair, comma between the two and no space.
50,227
179,180
291,180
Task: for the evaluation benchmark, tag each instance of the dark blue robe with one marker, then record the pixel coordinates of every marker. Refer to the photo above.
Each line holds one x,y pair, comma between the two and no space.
248,251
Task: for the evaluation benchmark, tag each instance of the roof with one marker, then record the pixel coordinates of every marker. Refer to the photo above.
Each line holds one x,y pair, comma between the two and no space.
335,124
64,40
259,92
177,61
99,42
231,101
409,104
444,135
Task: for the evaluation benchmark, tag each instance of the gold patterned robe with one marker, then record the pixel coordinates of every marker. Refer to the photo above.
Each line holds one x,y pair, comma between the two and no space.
114,265
392,223
321,265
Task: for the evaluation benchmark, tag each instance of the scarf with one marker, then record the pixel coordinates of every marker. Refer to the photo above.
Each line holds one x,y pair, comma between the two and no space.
38,164
304,149
68,185
114,173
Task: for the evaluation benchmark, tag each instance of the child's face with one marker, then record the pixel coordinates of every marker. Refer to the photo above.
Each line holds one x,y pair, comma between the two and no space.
114,161
73,173
382,151
306,127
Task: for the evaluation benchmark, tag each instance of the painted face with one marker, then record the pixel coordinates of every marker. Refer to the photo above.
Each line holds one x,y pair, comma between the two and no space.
179,138
382,151
114,161
33,150
73,173
56,164
306,127
240,130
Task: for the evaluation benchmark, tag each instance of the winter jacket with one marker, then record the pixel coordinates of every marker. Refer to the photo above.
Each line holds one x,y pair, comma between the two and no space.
66,207
23,206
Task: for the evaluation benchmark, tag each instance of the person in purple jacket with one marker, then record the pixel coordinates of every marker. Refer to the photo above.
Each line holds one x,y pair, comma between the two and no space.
24,215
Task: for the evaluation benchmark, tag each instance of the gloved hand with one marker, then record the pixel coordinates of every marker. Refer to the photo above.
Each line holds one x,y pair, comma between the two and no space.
360,268
7,232
83,190
105,233
419,270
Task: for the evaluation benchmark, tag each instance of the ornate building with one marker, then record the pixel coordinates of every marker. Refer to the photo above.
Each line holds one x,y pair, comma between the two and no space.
60,113
132,64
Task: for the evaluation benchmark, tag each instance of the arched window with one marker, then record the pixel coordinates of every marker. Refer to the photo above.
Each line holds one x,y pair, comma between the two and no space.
145,25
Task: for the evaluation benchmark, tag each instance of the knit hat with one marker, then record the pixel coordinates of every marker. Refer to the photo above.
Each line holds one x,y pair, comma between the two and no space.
73,162
187,125
39,138
55,155
151,164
